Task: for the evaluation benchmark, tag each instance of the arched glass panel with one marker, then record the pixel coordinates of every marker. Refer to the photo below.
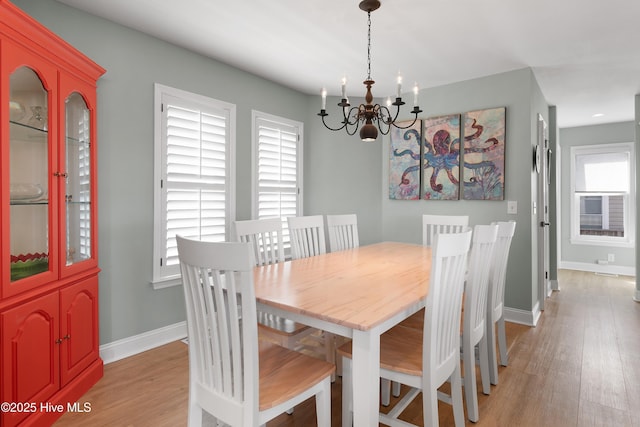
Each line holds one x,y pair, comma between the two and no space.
78,182
29,172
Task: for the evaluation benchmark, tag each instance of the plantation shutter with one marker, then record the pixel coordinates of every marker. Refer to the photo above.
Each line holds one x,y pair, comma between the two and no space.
277,171
196,176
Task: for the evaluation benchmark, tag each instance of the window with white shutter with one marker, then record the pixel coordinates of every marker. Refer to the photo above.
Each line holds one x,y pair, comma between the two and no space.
277,169
195,144
602,205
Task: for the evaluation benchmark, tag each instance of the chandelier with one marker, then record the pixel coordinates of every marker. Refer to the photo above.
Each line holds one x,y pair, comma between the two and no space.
373,117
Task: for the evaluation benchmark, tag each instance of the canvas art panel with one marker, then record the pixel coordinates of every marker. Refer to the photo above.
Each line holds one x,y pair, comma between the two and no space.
441,158
483,157
404,162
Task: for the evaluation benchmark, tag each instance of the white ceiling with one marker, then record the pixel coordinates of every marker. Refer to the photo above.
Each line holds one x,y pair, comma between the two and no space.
584,53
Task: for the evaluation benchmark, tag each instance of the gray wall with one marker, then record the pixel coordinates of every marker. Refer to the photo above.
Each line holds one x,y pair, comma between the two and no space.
339,171
341,174
588,135
519,93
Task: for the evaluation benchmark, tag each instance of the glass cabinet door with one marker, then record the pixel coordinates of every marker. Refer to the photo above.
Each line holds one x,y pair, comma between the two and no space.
29,172
78,180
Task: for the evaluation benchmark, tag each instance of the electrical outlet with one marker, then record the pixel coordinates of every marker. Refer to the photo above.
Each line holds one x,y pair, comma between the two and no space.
611,258
512,207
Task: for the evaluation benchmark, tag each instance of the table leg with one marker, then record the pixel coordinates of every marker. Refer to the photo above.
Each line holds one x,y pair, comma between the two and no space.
366,373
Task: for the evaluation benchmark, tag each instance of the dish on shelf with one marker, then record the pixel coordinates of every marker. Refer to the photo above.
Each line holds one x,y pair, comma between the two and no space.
22,269
16,111
25,191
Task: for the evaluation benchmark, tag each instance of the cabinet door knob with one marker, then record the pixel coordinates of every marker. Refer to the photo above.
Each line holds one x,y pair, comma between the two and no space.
67,337
59,341
60,174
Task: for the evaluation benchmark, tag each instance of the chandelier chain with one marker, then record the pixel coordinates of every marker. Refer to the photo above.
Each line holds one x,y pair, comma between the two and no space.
369,46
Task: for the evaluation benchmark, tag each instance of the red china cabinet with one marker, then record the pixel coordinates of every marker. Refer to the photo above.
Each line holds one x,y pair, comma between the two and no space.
48,225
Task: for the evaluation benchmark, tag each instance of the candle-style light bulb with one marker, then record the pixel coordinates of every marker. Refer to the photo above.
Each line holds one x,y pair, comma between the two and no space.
388,101
324,98
399,94
415,94
344,88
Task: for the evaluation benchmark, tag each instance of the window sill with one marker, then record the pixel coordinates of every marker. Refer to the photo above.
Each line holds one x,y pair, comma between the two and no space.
167,283
592,242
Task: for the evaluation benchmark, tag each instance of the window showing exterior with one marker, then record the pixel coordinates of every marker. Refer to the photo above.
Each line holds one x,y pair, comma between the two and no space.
602,204
194,194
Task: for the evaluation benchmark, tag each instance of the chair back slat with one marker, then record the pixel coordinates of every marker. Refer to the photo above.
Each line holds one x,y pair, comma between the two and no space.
221,323
444,304
506,230
343,232
476,288
436,224
307,236
265,237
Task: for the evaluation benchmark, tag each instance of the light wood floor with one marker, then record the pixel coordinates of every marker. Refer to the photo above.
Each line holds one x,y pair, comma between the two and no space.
579,367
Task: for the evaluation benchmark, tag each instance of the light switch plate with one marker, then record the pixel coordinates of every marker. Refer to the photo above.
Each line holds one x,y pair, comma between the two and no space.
512,207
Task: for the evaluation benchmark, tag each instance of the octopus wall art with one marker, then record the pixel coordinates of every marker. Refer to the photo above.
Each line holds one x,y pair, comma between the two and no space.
404,162
441,158
483,171
426,158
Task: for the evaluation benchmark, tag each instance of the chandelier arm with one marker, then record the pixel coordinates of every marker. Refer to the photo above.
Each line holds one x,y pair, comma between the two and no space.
381,129
415,119
344,125
355,112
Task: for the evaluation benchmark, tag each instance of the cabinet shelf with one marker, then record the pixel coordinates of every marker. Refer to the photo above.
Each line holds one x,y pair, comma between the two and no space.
23,132
29,203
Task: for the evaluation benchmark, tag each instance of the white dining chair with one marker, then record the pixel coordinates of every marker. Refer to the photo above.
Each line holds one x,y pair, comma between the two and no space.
231,376
432,225
424,359
307,236
343,232
265,238
435,224
474,316
495,301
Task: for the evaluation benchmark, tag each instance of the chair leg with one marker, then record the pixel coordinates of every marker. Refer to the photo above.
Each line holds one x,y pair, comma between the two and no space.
330,350
194,417
502,342
395,388
347,393
430,406
385,391
456,397
470,388
491,353
484,365
323,405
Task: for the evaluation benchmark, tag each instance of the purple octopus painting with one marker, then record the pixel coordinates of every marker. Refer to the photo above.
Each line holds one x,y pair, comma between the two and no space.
441,158
484,140
404,162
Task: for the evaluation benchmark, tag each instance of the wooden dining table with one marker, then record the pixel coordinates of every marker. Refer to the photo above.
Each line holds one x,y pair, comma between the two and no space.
358,293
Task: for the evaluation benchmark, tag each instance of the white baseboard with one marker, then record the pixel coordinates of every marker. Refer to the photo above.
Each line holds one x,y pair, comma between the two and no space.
598,268
130,346
554,286
523,317
636,297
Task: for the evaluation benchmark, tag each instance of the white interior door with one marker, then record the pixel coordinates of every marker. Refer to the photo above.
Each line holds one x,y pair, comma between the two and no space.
543,166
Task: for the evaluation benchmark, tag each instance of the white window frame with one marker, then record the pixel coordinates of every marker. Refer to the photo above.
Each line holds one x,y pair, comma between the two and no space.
163,275
628,241
258,117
